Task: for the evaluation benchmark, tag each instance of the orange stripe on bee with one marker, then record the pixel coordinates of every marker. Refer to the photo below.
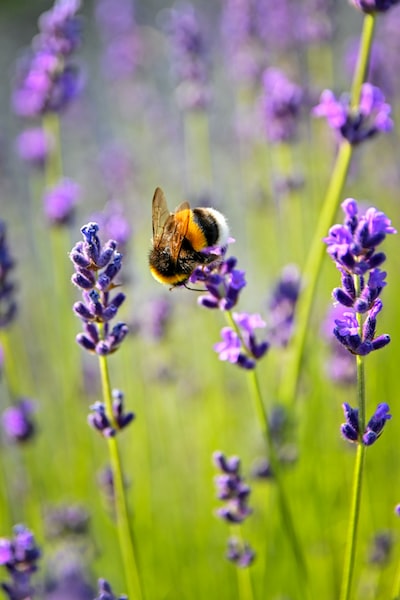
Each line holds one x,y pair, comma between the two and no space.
194,233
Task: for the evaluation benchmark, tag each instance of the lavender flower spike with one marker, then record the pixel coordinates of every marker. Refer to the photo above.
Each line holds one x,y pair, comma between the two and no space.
244,349
96,268
231,489
351,430
356,125
353,248
20,556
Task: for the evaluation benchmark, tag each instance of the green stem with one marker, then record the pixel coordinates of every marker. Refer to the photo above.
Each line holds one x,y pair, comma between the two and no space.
312,270
265,427
361,70
11,376
125,534
54,166
350,554
244,578
276,470
313,263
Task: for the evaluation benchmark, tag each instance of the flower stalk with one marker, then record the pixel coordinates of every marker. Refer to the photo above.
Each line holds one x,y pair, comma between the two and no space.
315,256
125,534
351,545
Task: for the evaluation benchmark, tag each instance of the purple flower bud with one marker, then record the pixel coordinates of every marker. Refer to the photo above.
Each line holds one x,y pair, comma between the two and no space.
17,421
371,117
60,202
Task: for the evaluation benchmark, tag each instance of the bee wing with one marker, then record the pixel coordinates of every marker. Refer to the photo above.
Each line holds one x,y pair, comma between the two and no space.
160,214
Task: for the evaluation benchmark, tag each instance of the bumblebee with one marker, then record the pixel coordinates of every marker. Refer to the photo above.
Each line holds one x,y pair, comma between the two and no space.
179,238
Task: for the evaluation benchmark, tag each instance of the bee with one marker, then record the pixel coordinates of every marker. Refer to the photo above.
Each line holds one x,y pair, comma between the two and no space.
179,238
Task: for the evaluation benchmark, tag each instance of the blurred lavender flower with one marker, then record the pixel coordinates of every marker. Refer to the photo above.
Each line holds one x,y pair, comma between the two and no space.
43,83
19,556
281,103
97,308
66,579
8,305
351,430
231,489
17,421
156,316
316,24
45,79
34,146
223,282
116,168
122,44
282,304
60,201
113,221
99,420
380,549
106,593
352,246
66,520
241,347
356,124
105,480
371,6
240,553
60,29
190,59
244,50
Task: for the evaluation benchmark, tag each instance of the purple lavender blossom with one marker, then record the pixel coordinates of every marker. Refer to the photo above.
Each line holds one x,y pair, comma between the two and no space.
223,282
113,221
351,429
282,101
45,78
106,593
282,304
60,29
95,270
19,556
60,202
356,124
34,145
17,421
353,248
242,348
190,58
372,6
99,420
44,84
231,489
8,305
240,553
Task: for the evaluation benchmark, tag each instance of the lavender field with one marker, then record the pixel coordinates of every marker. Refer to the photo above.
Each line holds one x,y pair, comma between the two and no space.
234,436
